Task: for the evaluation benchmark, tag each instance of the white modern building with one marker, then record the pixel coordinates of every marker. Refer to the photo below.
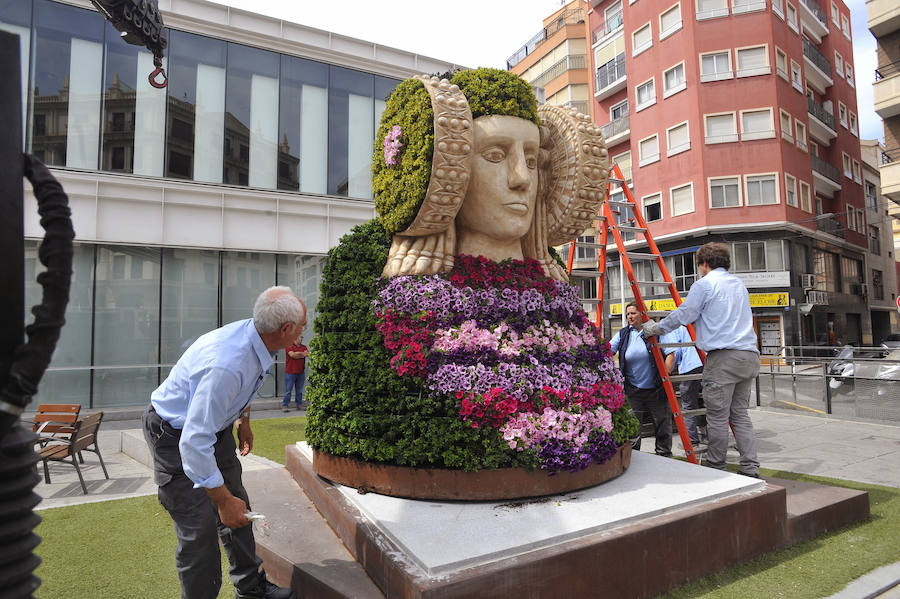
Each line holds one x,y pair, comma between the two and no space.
189,200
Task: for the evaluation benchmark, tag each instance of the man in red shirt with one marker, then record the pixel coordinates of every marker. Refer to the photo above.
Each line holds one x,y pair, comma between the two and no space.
294,373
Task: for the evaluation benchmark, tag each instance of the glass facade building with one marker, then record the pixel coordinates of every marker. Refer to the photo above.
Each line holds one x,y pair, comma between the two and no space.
189,200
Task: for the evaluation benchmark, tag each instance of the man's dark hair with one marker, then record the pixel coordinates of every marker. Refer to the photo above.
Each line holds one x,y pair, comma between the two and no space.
630,304
715,255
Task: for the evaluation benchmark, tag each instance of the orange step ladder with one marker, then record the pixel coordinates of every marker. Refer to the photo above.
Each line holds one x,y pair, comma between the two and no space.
609,224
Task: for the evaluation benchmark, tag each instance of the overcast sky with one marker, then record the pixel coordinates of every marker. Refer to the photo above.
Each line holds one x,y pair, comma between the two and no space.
484,33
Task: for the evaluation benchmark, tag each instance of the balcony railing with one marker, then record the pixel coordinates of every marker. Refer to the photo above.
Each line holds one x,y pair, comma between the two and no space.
579,105
610,72
811,52
616,127
830,225
568,17
829,171
818,111
890,155
572,61
888,70
607,27
814,7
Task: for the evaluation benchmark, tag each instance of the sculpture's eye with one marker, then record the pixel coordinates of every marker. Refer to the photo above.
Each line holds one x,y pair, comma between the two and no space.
493,154
531,161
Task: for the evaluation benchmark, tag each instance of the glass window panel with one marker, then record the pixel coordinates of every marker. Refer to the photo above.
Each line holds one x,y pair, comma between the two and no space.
720,125
190,299
196,110
682,200
67,83
756,121
758,256
751,58
761,190
645,93
350,133
126,325
774,256
741,257
671,18
134,112
244,276
649,148
15,17
643,37
68,379
674,77
251,121
303,133
678,136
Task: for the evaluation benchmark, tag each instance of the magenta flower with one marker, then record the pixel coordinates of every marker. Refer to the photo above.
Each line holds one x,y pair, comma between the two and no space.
393,142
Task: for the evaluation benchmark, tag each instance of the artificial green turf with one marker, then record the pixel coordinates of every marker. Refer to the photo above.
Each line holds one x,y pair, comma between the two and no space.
125,549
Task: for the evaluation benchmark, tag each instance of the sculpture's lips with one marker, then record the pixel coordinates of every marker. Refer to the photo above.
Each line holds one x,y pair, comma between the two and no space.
517,207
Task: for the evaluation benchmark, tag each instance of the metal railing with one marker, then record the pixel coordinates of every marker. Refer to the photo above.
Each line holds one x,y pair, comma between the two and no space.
815,9
610,72
616,127
579,105
818,111
607,27
572,61
568,17
888,70
889,155
830,225
814,379
826,169
811,52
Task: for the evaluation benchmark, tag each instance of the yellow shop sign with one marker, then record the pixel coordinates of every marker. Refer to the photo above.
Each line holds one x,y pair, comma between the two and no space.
757,300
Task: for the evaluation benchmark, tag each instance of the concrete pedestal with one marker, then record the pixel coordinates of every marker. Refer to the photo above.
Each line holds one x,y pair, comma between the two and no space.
662,523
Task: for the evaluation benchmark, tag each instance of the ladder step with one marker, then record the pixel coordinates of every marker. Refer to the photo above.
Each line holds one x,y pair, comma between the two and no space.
676,378
585,274
640,256
585,244
656,283
614,180
590,301
628,229
619,203
676,344
696,412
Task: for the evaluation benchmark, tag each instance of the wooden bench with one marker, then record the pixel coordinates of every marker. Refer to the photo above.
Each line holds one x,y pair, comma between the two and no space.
60,449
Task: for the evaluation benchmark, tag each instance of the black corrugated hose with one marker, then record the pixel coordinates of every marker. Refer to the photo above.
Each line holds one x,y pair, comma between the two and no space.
18,475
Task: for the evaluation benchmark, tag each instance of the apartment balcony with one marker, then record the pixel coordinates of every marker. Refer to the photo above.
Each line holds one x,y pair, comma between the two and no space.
890,174
579,106
569,17
815,20
610,78
887,90
826,177
617,131
822,127
570,62
830,225
818,68
608,27
884,16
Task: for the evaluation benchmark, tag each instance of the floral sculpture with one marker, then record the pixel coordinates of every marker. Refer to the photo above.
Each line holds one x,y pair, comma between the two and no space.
427,355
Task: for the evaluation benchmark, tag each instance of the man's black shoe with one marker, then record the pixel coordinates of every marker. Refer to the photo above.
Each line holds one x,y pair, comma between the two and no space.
751,475
266,591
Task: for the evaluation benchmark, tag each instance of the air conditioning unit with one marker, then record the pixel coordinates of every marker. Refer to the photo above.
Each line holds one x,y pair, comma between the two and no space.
808,281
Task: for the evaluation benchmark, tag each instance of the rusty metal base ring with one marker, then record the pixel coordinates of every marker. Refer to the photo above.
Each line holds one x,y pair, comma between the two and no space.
459,485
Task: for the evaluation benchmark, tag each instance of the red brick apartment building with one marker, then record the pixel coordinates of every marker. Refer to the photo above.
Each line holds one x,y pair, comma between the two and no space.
736,121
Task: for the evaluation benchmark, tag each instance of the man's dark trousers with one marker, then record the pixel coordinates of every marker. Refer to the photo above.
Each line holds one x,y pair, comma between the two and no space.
196,517
654,402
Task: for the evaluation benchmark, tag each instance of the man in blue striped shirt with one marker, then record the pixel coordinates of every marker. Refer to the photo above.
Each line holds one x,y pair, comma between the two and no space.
719,306
188,427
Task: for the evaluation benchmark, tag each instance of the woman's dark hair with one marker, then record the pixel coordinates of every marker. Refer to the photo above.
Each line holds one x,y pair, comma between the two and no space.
715,255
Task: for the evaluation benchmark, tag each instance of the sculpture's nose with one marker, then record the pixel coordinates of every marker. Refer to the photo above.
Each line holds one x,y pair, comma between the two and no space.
519,177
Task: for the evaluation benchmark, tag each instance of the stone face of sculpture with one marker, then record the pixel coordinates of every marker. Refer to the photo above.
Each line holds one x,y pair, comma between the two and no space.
499,206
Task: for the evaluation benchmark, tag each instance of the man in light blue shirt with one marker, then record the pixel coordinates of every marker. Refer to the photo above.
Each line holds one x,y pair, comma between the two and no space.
188,427
688,362
719,306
